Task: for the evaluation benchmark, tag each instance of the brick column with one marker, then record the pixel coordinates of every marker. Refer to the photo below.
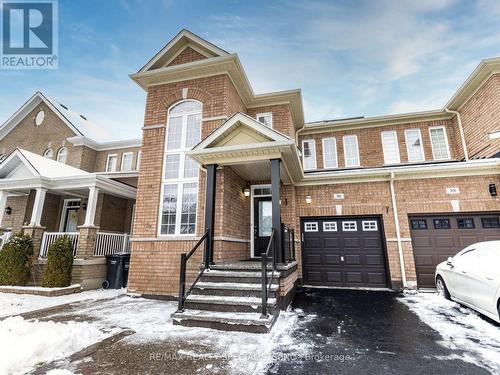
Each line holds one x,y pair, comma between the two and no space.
86,241
36,233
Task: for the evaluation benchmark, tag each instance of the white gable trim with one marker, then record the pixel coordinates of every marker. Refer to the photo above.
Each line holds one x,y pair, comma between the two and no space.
190,36
186,46
17,153
27,107
247,121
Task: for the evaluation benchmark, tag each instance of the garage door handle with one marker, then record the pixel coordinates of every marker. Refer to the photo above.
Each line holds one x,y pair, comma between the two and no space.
341,258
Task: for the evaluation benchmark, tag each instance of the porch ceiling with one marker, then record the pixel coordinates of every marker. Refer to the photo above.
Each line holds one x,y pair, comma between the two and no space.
259,171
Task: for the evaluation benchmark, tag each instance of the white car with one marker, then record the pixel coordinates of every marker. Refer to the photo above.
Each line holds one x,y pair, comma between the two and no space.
472,278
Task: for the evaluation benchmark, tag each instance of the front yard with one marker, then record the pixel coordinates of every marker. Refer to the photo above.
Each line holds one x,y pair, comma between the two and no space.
328,331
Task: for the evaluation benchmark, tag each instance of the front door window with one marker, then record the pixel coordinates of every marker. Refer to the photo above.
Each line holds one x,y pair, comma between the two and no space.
72,220
265,218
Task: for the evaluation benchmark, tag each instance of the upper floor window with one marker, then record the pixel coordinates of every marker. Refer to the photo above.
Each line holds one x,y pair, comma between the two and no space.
62,155
309,154
390,147
111,163
330,153
351,151
439,142
414,145
180,172
127,161
48,153
265,118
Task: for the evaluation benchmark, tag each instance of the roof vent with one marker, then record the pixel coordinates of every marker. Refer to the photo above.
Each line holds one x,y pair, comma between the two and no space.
62,105
83,117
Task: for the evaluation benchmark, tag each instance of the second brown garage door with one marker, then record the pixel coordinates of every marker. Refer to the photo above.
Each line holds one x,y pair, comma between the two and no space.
343,252
437,237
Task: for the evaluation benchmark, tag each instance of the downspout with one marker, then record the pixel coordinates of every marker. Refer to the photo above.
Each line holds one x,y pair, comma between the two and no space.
461,129
398,231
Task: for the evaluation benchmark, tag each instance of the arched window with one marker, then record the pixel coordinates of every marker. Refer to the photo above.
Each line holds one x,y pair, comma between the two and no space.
48,153
62,155
180,173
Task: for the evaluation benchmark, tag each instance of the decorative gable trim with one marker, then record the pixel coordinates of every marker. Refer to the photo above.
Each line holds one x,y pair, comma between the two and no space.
186,47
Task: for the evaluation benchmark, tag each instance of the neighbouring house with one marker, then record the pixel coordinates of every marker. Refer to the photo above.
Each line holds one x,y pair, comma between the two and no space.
63,175
227,175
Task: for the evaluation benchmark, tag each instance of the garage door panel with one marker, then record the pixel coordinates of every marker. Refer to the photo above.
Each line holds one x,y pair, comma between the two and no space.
432,246
332,259
363,261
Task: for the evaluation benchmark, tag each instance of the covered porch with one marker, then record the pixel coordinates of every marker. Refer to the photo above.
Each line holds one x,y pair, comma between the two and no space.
48,200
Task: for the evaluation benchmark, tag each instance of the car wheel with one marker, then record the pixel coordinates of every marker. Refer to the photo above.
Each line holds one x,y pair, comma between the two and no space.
441,287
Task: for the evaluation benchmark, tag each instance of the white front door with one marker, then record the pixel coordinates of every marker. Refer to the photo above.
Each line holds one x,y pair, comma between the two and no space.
69,215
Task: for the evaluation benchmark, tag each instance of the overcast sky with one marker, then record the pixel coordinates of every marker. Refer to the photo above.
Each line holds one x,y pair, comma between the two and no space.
350,58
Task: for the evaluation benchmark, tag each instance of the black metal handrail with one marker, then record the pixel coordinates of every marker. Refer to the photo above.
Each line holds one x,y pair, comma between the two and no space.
266,286
182,276
288,243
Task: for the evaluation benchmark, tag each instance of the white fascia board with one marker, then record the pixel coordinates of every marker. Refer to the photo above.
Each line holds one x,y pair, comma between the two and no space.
119,174
103,146
241,148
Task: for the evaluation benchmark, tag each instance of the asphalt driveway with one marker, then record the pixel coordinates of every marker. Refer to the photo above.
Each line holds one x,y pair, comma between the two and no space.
361,332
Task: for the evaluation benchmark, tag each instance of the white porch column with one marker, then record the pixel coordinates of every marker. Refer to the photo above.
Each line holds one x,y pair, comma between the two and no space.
91,206
36,214
3,203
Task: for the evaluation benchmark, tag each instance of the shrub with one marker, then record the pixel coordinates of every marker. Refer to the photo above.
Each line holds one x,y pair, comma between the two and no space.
15,259
59,265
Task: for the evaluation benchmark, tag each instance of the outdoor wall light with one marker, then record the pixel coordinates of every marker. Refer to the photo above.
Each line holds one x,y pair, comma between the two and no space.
8,210
493,190
246,192
308,199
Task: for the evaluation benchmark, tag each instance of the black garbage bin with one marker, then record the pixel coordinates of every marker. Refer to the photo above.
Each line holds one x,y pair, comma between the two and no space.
117,271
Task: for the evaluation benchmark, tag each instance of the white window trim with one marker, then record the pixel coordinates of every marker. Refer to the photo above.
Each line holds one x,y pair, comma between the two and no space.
445,140
138,160
107,162
265,114
59,152
131,162
47,150
395,134
369,222
421,145
357,150
330,230
336,162
314,223
313,154
64,212
344,229
180,181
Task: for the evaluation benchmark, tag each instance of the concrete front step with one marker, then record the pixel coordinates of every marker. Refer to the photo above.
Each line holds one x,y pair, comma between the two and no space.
233,289
236,276
238,266
228,321
227,303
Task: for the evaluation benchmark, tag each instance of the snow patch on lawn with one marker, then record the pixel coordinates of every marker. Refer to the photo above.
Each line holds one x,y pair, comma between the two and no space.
24,344
245,352
461,329
14,304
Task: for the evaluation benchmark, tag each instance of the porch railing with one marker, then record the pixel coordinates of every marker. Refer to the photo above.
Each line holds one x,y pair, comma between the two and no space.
111,243
182,276
4,238
48,239
269,255
288,246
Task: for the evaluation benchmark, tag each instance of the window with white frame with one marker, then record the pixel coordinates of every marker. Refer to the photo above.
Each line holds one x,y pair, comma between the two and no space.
351,151
390,147
48,153
265,118
111,163
180,172
370,225
62,155
127,158
439,143
414,145
311,226
349,226
138,162
329,226
329,153
309,154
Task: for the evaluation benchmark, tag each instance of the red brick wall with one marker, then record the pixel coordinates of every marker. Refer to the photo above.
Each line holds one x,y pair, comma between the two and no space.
187,56
282,117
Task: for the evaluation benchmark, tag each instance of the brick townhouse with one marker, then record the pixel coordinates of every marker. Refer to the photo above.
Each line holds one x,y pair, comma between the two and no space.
227,175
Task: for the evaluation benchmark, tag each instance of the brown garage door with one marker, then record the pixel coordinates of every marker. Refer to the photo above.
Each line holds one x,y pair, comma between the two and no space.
343,252
437,237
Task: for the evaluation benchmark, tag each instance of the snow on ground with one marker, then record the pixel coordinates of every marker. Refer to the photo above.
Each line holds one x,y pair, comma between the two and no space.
460,327
14,304
27,343
151,321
